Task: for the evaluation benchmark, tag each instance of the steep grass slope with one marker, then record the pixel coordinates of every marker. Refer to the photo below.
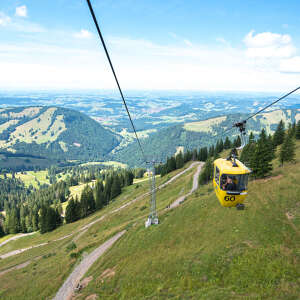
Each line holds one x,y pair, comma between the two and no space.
204,251
50,264
199,250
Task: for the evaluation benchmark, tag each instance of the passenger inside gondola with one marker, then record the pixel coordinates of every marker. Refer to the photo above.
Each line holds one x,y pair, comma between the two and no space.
234,182
229,184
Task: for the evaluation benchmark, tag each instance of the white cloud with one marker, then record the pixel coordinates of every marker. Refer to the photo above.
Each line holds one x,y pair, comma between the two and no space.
291,65
21,11
269,45
140,64
4,19
83,34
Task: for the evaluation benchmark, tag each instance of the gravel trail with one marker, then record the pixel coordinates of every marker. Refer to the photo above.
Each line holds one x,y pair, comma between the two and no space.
67,289
194,187
16,237
85,227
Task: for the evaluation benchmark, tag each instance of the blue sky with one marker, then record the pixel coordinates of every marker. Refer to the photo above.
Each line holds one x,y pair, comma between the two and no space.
170,44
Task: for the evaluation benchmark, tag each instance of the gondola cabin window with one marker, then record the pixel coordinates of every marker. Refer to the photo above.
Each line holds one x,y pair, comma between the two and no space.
217,175
231,182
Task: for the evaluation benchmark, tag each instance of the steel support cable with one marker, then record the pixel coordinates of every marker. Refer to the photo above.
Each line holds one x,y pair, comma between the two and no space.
281,98
258,112
115,76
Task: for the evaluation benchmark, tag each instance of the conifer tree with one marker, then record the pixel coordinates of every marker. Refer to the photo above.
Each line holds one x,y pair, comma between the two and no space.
261,160
107,189
204,154
271,146
35,220
179,160
77,209
211,151
99,194
298,130
194,155
115,188
87,201
2,233
43,220
237,142
207,172
70,211
187,156
251,138
279,134
227,143
287,150
293,129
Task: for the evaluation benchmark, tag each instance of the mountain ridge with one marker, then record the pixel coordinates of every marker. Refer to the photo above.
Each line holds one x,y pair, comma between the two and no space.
54,132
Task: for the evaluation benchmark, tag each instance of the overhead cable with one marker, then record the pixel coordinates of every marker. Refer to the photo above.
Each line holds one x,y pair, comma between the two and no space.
115,76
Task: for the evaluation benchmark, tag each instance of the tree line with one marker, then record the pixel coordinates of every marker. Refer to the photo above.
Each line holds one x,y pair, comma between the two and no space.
27,211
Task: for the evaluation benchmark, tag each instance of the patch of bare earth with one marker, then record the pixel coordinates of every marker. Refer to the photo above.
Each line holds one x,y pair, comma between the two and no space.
107,274
18,267
91,297
270,178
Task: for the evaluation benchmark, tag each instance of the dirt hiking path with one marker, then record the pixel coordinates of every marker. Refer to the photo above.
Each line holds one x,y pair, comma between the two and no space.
67,289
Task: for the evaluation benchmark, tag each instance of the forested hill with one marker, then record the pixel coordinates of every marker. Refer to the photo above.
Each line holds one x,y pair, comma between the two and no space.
54,132
200,134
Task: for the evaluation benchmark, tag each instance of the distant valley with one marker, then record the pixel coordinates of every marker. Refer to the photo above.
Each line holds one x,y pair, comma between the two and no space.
57,128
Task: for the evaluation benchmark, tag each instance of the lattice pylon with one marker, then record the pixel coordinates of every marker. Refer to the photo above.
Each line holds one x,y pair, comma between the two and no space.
152,218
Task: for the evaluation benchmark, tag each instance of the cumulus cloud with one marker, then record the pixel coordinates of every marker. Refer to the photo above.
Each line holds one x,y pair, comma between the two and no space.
269,45
4,19
83,34
21,11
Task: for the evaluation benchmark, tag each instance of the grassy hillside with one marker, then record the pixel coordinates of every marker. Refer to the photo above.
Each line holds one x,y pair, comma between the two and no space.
53,261
204,251
199,250
193,135
54,132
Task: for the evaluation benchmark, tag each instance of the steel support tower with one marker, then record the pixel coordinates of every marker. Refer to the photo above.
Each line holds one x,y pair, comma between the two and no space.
152,218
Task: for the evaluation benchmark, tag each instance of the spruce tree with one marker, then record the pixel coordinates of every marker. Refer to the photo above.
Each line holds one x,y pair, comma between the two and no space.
43,220
271,146
2,233
204,154
287,150
298,130
211,151
179,160
227,143
207,172
115,188
251,138
70,211
279,134
99,194
237,142
261,159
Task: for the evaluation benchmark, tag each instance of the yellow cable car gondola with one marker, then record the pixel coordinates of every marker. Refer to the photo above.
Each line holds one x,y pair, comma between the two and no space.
230,182
231,176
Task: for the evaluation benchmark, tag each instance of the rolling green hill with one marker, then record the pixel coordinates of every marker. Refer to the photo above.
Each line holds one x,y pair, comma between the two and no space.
193,135
55,133
199,250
